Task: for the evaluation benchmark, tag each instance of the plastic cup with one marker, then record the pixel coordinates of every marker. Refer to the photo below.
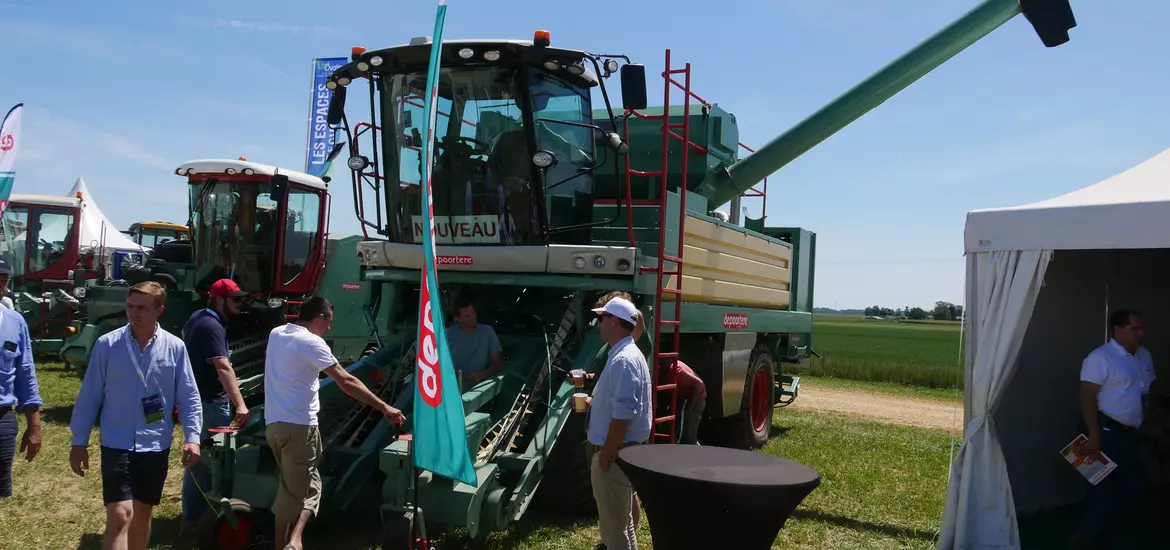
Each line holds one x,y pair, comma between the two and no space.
578,377
579,402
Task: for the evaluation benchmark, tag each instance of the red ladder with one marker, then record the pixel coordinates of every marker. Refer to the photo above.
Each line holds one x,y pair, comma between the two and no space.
675,290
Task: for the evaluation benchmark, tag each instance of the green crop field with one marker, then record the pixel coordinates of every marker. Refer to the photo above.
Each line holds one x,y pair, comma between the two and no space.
916,353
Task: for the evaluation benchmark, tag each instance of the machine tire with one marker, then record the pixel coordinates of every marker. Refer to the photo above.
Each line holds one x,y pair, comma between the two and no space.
253,529
398,533
749,428
565,489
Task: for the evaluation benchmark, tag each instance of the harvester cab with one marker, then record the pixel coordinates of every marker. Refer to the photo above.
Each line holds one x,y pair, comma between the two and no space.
44,251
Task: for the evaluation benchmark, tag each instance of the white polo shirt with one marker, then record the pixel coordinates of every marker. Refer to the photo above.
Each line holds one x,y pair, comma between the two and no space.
1124,379
294,360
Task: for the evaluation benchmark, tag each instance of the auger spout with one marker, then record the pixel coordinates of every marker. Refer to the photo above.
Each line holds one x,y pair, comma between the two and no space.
1051,18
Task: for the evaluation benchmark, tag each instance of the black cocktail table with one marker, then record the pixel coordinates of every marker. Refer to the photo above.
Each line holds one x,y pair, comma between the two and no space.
714,497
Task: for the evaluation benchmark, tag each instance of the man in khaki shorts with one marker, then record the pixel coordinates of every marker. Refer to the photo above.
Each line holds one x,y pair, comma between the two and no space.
296,355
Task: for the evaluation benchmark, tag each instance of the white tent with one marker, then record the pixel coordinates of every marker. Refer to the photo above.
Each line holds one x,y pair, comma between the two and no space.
1042,279
97,231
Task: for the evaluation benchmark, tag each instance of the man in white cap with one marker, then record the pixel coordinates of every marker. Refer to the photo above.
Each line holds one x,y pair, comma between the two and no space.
619,416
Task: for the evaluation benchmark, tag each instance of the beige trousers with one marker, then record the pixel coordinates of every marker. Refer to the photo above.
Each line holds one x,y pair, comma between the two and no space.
297,449
614,496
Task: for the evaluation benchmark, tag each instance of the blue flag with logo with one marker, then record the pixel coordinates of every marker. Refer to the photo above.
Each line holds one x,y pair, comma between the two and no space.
321,136
440,438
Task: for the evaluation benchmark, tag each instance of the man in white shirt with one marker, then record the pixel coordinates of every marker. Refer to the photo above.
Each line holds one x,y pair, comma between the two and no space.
1115,382
296,355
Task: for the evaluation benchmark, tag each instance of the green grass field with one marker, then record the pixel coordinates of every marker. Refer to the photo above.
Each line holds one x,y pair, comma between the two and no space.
913,353
865,467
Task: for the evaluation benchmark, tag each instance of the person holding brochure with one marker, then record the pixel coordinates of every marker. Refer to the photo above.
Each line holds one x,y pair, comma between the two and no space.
1115,380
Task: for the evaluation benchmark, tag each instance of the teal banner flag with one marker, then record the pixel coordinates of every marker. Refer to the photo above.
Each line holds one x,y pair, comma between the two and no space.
440,439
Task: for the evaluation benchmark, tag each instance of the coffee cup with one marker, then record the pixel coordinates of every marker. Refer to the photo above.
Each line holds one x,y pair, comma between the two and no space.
578,377
579,401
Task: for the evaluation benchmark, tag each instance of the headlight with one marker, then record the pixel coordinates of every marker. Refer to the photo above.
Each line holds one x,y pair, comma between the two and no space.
377,60
491,55
275,303
544,159
79,292
357,163
466,53
579,262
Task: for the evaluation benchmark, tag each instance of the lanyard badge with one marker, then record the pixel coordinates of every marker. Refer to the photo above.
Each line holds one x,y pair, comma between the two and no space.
152,404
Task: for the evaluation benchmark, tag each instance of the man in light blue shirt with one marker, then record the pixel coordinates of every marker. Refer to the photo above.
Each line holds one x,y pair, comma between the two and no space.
137,374
475,348
18,391
619,415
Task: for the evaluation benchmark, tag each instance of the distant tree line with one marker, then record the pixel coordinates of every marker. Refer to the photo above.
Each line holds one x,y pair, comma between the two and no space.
942,311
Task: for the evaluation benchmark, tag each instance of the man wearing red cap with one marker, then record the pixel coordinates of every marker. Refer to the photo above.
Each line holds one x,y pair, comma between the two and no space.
205,336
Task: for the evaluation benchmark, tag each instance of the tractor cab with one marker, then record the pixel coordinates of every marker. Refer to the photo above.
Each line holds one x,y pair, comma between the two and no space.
152,234
516,147
44,241
41,236
257,224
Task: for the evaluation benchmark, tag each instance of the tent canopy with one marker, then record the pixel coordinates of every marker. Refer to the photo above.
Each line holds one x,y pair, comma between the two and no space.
1129,210
1042,279
93,221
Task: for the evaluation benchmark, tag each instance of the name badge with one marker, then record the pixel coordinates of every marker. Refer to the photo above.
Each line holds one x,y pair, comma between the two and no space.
152,408
10,346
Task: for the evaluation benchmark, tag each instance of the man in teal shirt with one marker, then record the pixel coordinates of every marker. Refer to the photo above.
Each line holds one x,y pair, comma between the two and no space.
475,349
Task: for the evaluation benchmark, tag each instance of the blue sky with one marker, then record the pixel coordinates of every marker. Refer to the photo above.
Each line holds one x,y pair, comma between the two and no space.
122,92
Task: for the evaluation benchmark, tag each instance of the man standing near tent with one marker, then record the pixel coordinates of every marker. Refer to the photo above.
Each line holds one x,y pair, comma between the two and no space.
1115,381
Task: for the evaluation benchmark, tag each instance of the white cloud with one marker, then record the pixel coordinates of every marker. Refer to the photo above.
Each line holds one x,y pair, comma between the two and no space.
261,26
52,137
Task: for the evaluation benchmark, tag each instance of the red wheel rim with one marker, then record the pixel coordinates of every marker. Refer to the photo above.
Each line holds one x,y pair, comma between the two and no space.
761,385
238,538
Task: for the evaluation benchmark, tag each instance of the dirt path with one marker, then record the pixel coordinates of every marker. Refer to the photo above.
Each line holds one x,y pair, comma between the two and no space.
893,409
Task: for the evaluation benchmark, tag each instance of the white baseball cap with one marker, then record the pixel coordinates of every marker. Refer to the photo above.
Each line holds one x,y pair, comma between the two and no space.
620,308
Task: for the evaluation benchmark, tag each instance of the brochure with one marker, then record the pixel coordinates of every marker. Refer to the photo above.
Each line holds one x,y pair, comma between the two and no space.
1093,470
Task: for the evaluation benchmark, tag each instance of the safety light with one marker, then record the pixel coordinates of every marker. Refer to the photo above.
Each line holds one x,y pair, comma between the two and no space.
541,39
355,52
243,159
544,159
376,61
357,162
611,66
466,53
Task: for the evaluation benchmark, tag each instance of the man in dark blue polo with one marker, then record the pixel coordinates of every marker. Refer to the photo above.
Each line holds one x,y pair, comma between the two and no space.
18,391
205,337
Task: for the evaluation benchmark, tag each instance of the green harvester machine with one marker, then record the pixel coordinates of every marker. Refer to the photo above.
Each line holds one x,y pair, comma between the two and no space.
542,204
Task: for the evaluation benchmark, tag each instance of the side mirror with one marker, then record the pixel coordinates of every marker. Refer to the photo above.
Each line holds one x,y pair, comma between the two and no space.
633,86
336,151
279,185
336,107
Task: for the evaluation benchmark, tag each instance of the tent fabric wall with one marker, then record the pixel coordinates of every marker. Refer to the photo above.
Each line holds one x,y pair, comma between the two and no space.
1002,288
1040,413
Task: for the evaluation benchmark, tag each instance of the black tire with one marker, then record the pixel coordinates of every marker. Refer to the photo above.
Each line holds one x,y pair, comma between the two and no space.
398,533
748,429
254,529
565,489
